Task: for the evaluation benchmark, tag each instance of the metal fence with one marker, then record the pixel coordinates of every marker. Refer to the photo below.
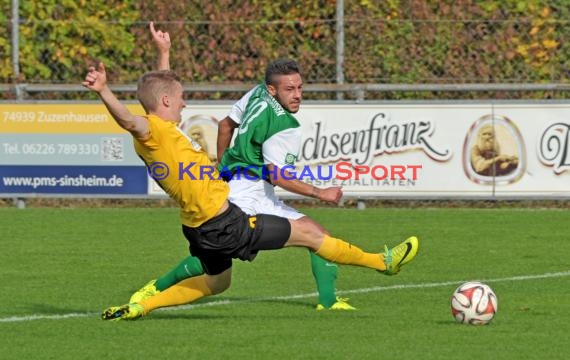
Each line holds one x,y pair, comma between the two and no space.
351,56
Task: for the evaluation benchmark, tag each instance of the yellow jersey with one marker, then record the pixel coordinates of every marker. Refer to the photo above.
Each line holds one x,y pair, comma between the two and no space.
183,170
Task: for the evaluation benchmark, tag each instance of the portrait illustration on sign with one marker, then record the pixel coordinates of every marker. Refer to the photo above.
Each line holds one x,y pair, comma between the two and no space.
493,151
203,130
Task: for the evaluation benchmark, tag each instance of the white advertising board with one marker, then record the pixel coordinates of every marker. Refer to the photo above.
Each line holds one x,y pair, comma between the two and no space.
425,150
420,150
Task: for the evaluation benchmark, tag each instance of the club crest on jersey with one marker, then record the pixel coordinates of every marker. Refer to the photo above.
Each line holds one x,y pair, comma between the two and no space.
290,159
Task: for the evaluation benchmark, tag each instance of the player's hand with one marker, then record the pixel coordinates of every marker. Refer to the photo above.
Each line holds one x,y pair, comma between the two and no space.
331,194
160,38
96,78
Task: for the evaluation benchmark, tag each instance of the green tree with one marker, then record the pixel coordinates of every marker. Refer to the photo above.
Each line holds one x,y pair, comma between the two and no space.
59,38
6,71
391,41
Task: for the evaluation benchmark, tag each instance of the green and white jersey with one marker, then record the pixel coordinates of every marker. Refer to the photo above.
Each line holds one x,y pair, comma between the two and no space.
267,134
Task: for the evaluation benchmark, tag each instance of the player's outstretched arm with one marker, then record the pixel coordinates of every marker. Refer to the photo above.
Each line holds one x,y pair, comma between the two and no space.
96,80
284,179
162,41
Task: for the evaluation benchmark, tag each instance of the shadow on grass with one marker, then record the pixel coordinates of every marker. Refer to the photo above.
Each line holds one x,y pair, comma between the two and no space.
214,302
164,316
50,309
190,312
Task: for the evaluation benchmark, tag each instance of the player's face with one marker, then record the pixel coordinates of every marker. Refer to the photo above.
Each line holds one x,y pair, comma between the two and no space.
288,91
177,102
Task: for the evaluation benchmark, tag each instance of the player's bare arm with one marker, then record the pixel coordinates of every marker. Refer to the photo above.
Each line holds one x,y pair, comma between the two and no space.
284,179
162,41
96,80
226,128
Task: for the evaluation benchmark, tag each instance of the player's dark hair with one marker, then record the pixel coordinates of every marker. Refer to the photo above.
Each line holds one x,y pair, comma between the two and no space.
152,85
280,67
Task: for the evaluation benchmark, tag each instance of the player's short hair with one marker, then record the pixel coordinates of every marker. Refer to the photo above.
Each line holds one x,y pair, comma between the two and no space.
280,67
152,85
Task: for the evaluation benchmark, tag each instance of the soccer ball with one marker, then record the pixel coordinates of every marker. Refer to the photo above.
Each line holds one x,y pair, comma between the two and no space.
474,303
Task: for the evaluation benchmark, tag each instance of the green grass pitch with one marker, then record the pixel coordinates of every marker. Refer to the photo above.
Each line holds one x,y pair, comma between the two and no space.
60,267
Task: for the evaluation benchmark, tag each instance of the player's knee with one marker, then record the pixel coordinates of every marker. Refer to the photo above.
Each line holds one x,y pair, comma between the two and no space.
219,288
306,233
311,228
219,283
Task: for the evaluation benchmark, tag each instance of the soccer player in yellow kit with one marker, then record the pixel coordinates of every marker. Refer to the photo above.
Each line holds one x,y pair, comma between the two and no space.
271,140
216,230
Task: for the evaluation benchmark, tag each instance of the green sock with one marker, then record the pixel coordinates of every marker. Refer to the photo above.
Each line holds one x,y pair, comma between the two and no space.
325,277
187,268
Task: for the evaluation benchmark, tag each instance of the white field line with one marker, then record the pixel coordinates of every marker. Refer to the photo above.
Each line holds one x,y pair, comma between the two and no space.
33,317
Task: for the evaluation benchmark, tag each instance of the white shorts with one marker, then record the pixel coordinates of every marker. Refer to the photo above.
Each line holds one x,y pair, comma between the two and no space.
258,197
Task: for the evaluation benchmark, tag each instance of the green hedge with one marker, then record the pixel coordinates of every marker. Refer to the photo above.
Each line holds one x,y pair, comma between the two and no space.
389,41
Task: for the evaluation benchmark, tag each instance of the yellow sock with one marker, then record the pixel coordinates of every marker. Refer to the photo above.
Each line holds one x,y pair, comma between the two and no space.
186,291
341,252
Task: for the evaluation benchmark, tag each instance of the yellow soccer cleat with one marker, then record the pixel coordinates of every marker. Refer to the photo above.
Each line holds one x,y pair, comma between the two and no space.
147,291
400,255
123,312
340,304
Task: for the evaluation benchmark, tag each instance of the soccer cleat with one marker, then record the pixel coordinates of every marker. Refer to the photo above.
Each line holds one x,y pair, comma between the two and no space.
400,255
147,291
340,304
123,312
